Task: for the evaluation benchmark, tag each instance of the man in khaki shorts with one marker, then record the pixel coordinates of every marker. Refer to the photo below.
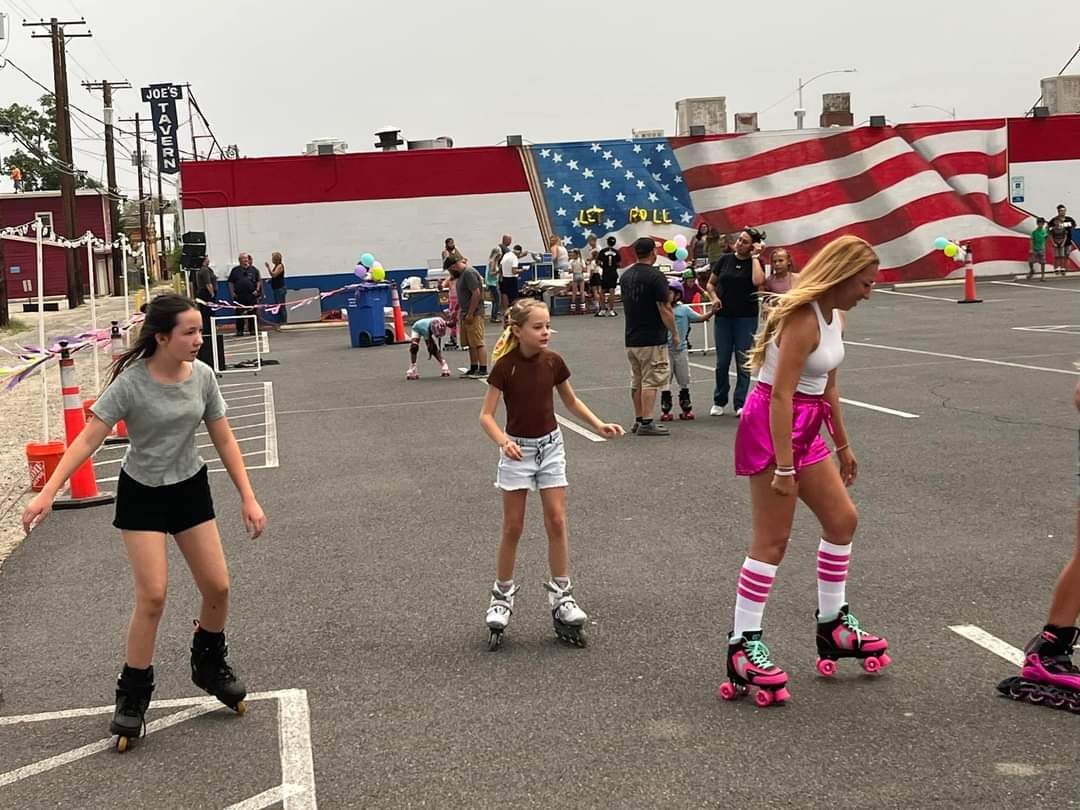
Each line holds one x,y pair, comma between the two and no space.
648,321
470,292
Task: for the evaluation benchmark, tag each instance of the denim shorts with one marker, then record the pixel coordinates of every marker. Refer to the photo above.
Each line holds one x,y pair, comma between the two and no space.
543,464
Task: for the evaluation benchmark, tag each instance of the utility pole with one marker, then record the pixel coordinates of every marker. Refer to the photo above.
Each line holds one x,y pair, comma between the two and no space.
142,199
63,141
106,87
191,122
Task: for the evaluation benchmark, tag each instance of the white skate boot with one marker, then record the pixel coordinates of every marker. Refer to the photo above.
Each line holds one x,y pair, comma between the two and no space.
445,370
568,618
498,614
412,373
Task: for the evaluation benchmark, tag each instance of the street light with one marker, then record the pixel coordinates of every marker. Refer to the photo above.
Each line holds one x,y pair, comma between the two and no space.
800,112
951,113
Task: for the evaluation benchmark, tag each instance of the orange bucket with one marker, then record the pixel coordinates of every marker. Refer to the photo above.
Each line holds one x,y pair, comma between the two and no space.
43,458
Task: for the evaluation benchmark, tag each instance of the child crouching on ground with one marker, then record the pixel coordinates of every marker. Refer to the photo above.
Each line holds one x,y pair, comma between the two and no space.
431,331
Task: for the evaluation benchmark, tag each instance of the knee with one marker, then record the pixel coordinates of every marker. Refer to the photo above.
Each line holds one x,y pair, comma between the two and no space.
217,590
512,529
556,525
150,601
841,526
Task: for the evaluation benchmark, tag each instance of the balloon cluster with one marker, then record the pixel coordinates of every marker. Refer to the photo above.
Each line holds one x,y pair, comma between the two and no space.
946,246
367,269
676,249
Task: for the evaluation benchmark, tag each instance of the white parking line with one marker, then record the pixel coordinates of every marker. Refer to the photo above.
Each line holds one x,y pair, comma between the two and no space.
960,357
1053,288
856,403
916,295
271,426
989,642
297,788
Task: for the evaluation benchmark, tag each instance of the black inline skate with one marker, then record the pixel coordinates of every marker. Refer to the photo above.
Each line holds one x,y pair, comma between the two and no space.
685,404
665,406
133,690
212,673
1048,675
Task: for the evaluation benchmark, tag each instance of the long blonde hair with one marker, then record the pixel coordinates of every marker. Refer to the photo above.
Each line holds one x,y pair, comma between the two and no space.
518,315
842,258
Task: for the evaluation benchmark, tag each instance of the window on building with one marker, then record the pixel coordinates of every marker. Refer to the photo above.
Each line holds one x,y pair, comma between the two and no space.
46,221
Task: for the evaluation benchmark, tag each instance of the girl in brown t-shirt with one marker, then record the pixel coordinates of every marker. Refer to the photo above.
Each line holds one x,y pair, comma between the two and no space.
532,457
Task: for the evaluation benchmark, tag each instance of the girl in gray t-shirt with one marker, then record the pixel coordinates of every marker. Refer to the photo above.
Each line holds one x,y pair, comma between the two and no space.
163,393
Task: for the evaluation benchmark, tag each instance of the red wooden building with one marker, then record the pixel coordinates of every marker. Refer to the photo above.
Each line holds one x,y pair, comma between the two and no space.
20,262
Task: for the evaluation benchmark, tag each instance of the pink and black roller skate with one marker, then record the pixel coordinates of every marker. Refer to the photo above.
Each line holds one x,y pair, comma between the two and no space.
748,664
665,406
1048,674
444,370
412,373
842,637
685,405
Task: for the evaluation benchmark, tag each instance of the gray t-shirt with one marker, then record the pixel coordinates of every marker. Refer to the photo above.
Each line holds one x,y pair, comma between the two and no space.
468,281
161,420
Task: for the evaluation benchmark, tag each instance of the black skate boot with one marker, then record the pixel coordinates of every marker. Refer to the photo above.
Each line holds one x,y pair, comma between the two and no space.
1048,674
685,404
133,690
665,406
212,673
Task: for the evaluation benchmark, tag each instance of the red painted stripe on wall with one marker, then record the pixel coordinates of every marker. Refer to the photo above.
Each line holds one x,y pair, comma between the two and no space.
361,176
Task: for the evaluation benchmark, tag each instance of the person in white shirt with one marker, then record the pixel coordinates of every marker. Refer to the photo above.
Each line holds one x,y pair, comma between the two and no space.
508,284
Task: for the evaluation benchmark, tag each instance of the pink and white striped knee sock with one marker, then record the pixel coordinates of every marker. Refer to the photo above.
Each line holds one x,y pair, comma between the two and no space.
755,580
832,568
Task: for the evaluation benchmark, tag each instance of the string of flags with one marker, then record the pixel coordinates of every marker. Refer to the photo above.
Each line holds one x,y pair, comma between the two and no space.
27,230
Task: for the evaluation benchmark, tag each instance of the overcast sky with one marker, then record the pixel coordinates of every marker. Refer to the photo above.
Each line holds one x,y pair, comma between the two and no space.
272,76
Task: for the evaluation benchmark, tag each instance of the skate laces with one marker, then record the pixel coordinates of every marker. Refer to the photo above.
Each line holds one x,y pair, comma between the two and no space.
852,624
758,654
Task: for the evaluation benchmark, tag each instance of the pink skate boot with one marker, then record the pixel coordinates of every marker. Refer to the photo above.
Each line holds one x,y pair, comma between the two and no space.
748,664
842,637
1048,674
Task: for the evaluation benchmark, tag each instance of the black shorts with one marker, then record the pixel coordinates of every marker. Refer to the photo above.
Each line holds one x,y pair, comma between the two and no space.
595,280
610,280
170,509
509,288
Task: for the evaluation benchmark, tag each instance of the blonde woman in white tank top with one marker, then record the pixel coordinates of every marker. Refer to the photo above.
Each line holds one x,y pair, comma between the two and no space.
779,448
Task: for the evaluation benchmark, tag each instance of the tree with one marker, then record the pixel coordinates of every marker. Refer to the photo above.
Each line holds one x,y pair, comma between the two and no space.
37,154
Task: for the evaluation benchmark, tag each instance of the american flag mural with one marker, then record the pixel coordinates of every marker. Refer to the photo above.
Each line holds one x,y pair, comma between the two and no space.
898,187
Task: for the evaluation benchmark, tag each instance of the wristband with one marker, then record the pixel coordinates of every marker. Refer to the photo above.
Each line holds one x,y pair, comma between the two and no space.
784,473
842,447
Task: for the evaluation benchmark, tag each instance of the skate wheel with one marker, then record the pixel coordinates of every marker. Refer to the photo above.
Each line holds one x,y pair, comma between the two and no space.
122,744
782,694
727,691
494,641
240,708
763,698
884,659
872,665
826,668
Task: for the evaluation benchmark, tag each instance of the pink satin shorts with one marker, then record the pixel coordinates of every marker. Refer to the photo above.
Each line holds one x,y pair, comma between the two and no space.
753,440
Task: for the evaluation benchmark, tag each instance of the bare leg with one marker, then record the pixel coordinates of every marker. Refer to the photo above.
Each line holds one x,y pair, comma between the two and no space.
648,403
201,547
821,489
554,501
1065,603
512,526
771,519
149,567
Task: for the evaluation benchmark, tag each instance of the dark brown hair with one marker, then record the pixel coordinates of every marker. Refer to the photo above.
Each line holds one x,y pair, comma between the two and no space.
161,317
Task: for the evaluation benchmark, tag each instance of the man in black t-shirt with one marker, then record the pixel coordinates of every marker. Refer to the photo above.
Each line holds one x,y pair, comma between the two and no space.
1061,229
245,287
608,262
733,287
648,321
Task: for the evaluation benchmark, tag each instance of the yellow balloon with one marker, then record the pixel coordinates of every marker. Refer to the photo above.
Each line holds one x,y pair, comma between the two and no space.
670,246
951,250
377,273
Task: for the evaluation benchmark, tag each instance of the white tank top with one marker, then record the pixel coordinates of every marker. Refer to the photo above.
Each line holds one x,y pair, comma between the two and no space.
828,355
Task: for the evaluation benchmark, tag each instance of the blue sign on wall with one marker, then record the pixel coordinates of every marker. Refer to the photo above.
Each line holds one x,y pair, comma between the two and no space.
14,269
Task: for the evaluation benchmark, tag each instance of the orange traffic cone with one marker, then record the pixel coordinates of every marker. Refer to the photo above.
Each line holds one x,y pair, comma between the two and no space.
969,281
119,434
399,321
83,482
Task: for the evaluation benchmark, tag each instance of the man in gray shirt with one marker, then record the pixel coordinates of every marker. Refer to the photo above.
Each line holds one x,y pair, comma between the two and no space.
470,292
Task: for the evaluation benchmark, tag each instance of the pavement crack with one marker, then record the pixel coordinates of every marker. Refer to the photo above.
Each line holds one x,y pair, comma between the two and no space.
945,403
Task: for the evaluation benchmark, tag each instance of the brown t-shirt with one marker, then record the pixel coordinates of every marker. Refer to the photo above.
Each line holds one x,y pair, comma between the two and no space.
526,385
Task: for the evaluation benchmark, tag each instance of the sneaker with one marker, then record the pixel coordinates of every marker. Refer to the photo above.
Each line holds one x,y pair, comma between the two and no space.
467,375
478,375
716,410
634,427
652,429
738,412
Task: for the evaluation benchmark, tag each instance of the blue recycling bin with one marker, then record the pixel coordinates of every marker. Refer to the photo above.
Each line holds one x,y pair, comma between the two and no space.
365,313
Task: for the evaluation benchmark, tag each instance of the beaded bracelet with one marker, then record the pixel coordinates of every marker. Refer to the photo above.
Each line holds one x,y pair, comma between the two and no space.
785,472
